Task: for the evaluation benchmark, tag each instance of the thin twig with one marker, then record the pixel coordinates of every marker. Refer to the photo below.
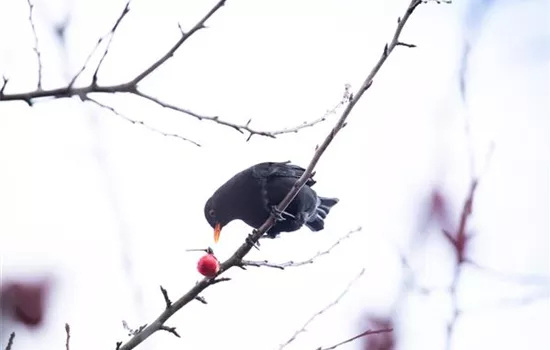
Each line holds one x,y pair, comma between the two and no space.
358,336
68,332
323,310
251,240
109,35
291,263
113,30
241,128
140,122
10,341
35,48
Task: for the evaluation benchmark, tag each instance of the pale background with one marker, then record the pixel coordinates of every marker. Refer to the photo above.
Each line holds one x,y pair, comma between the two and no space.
109,207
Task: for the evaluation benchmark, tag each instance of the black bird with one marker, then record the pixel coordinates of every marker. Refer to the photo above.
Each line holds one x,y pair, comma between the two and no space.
253,194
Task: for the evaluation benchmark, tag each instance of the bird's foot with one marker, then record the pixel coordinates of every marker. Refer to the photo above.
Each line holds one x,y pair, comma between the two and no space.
278,214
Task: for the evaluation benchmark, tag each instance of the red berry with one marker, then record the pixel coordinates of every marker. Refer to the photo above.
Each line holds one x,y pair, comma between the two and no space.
208,265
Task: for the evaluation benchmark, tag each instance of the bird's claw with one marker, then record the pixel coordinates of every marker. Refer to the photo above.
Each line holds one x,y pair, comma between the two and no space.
278,214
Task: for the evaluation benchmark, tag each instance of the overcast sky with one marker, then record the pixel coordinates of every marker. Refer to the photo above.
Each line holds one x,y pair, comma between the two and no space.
109,207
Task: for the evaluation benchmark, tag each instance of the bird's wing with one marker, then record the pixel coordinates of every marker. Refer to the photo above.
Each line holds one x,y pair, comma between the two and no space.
280,169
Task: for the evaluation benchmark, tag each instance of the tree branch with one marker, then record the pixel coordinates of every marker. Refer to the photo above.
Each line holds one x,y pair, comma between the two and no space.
358,336
68,337
251,240
322,311
291,263
10,341
35,48
131,86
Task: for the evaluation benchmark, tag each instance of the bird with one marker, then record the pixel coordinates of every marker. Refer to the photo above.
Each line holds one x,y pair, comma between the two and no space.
253,194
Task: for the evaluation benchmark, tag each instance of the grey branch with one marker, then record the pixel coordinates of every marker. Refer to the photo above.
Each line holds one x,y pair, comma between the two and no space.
253,238
322,311
68,337
358,336
10,341
139,122
291,263
35,48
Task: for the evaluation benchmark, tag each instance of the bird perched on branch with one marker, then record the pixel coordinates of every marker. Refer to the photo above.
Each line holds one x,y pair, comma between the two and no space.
253,194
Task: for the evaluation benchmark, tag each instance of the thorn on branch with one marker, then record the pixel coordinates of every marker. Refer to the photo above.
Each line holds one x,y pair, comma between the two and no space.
221,279
170,330
201,299
399,43
166,298
4,85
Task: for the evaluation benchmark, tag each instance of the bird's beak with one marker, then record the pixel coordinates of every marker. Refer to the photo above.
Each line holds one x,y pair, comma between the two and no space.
217,230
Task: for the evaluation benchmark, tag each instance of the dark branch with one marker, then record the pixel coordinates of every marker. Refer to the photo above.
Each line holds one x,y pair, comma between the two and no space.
10,341
68,338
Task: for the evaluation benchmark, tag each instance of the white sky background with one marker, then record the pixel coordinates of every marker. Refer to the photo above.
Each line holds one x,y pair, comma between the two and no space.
83,191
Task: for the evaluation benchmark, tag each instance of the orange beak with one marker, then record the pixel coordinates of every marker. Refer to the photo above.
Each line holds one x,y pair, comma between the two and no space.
217,230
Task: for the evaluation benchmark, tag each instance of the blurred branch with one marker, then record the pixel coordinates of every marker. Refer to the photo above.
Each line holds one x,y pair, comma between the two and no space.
35,48
10,341
358,336
131,86
322,311
529,279
291,263
252,239
68,332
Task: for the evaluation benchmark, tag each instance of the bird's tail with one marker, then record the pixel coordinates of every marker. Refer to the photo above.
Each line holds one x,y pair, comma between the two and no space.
317,223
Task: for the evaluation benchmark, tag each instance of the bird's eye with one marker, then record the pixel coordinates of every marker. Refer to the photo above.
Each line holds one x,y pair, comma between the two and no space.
212,212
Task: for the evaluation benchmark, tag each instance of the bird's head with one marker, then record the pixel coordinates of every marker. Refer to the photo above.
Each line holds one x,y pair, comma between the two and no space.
215,217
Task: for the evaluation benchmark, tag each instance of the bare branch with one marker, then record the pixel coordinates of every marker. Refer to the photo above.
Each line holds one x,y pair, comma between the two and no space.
253,238
242,128
35,48
10,341
113,30
68,332
140,122
200,25
322,311
109,35
358,336
291,263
